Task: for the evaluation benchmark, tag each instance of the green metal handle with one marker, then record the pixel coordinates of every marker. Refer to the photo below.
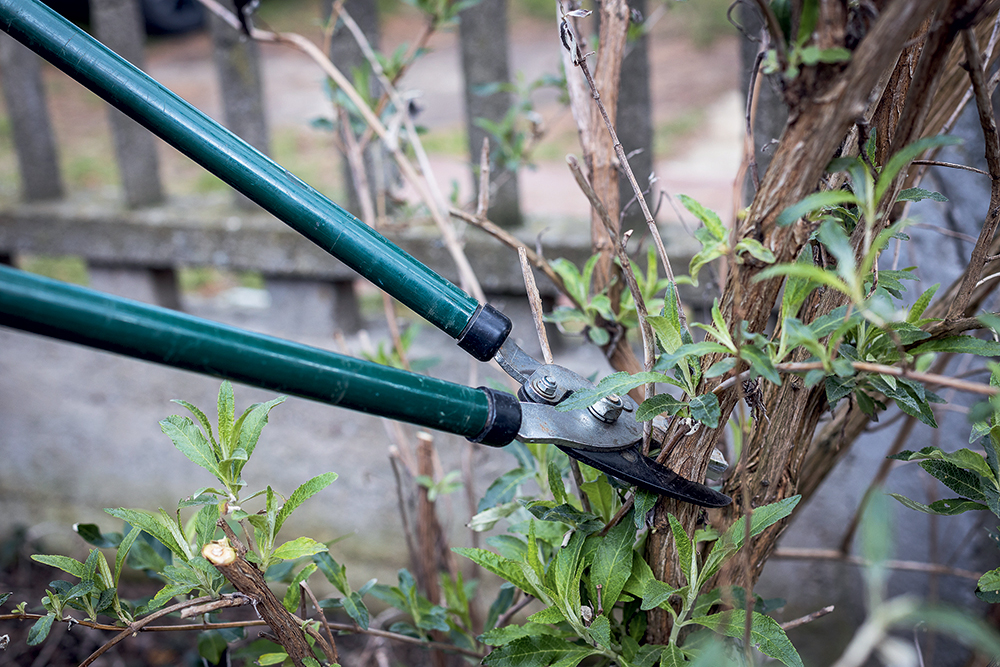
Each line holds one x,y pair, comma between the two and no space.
240,165
80,315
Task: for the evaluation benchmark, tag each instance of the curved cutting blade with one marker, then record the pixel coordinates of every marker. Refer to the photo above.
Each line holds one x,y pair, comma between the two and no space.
631,466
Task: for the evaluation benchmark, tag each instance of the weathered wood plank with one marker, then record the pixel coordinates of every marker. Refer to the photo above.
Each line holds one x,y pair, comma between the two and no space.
237,63
34,143
483,38
118,24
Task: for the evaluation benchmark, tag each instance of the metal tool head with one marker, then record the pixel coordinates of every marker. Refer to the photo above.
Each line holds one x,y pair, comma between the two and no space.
605,436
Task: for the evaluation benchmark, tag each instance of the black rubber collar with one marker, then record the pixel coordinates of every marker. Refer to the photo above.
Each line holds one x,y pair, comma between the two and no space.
485,332
503,421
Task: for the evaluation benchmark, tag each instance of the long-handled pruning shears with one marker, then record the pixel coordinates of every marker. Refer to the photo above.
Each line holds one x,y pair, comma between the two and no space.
605,435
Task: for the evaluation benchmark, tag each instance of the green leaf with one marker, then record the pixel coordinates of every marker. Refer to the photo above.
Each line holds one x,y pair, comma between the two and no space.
566,568
811,55
613,562
640,577
833,236
685,550
960,345
643,502
65,563
672,657
294,592
920,305
705,408
962,482
538,651
732,540
904,157
334,572
211,645
227,414
299,547
796,289
668,332
40,629
544,510
805,272
721,367
710,219
253,423
301,494
508,633
815,202
488,518
123,550
990,581
600,631
356,609
703,257
547,615
658,404
761,364
617,383
919,194
272,658
947,507
756,250
555,480
504,488
498,565
963,458
91,533
163,596
765,633
657,594
189,439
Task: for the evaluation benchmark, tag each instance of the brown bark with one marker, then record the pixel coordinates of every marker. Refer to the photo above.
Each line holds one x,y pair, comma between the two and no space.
247,579
820,120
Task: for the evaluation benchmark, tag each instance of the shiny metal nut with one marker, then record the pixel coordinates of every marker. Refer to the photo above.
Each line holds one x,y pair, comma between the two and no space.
545,386
608,409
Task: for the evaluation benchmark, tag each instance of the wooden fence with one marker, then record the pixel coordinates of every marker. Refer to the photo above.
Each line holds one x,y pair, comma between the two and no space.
136,246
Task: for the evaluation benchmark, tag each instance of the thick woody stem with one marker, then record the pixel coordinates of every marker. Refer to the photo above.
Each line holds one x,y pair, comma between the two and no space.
247,579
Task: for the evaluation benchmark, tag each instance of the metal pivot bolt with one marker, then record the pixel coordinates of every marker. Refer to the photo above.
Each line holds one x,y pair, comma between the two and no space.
608,409
545,386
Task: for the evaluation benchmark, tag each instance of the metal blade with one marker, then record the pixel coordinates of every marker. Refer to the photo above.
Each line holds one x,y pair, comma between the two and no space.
631,466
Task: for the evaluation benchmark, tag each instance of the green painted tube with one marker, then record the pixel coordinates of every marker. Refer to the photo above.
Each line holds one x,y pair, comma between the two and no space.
237,163
80,315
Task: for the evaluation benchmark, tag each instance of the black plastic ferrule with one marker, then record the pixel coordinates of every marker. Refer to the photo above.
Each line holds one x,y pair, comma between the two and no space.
485,332
503,421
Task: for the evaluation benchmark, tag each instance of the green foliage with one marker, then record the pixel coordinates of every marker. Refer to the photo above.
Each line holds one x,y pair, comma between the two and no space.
597,589
169,547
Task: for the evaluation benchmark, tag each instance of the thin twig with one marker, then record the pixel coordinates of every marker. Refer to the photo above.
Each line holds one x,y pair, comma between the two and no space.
188,627
808,618
514,243
619,515
535,301
227,600
136,626
793,553
332,654
509,614
776,33
645,331
483,203
868,367
951,165
580,61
